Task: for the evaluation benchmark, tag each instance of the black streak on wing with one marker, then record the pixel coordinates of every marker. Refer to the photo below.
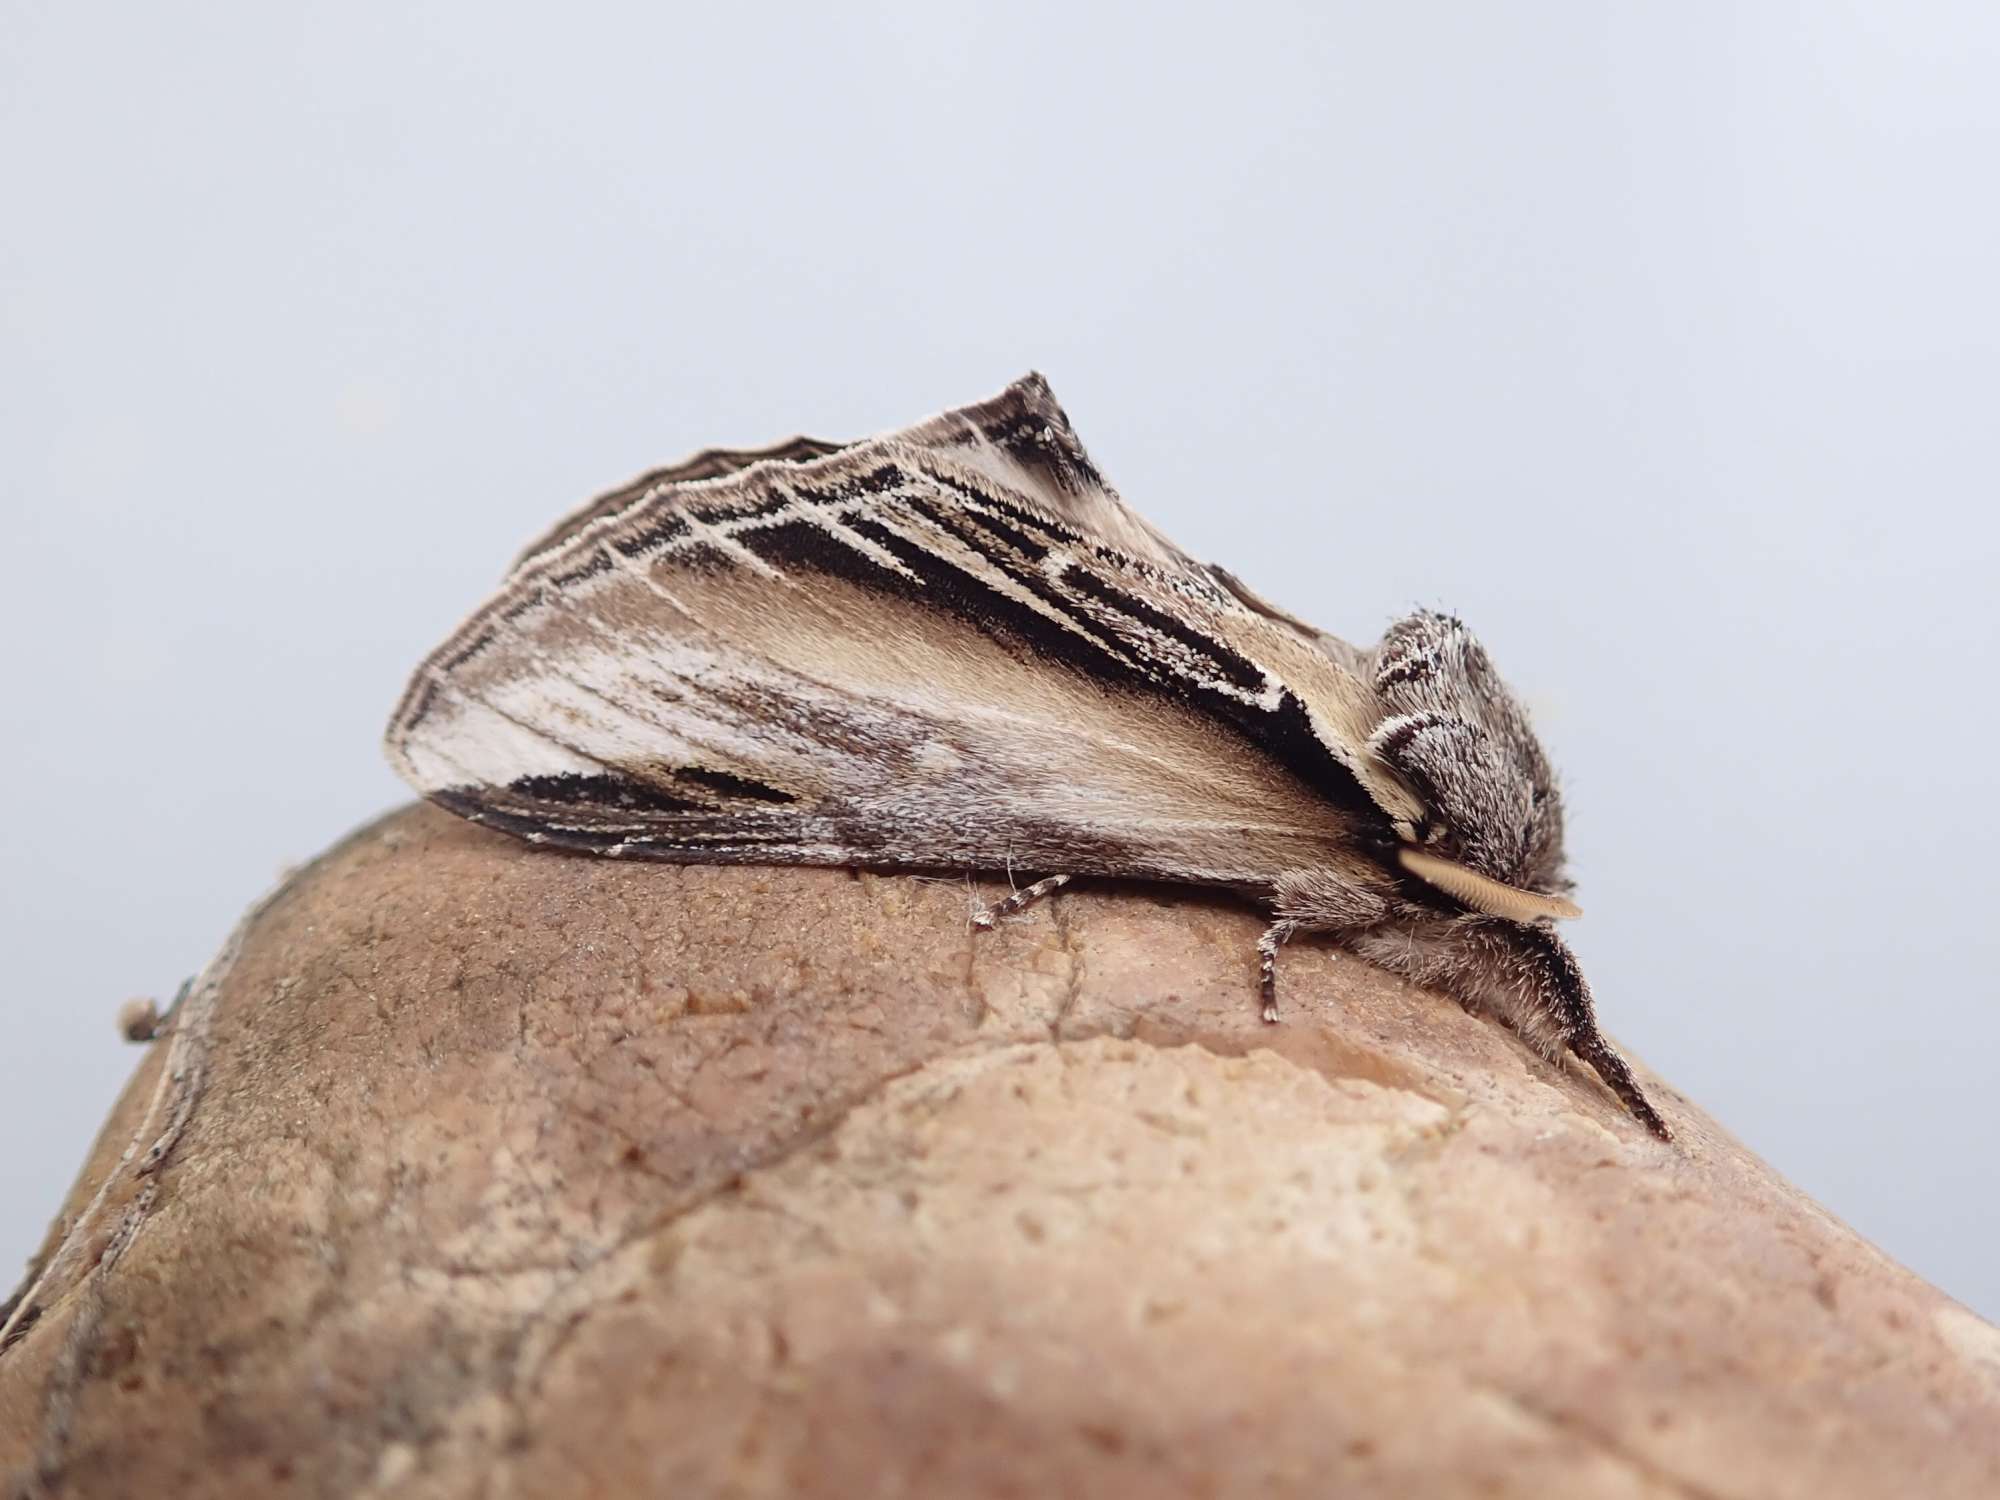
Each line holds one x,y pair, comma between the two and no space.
669,527
730,785
608,790
610,805
597,562
471,649
1232,667
710,463
1013,536
1030,438
1055,531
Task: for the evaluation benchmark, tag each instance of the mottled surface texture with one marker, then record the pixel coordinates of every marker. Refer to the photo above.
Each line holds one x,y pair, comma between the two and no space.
512,1173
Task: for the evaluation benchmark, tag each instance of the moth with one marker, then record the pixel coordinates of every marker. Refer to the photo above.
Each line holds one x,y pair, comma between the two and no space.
955,647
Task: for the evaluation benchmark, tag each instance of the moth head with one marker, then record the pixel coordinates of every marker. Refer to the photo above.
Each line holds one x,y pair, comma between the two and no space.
1491,829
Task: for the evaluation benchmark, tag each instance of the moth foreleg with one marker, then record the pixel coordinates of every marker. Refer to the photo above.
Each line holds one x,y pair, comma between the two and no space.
984,917
1555,986
1617,1075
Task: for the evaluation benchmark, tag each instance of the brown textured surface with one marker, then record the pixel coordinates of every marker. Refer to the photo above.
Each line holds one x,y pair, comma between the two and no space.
514,1174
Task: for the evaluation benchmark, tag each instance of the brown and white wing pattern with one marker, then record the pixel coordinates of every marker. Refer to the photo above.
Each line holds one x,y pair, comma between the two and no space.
953,647
1021,439
710,463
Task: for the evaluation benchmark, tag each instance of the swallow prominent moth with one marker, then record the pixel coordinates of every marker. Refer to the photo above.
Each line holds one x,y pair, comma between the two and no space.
955,647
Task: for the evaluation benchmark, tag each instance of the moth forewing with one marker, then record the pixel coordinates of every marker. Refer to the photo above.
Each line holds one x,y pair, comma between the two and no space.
956,647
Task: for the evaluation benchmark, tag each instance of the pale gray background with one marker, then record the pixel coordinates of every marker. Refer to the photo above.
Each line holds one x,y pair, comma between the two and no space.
1658,340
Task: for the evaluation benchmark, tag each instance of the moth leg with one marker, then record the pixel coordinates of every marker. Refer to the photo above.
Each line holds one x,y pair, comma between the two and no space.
1617,1076
1275,937
1520,972
1319,899
1558,988
1027,896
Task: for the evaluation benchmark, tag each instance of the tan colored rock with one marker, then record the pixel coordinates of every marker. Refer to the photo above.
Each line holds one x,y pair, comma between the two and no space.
481,1171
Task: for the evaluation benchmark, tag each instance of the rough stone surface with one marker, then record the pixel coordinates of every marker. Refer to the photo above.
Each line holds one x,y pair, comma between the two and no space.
479,1171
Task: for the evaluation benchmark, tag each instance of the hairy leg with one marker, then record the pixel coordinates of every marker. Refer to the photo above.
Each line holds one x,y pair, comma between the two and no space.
1025,897
1315,900
1520,972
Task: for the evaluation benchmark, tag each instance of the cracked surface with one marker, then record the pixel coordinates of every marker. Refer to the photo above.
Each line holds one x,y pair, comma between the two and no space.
490,1172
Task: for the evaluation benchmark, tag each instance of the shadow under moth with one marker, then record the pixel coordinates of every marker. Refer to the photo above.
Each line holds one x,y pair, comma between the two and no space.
955,647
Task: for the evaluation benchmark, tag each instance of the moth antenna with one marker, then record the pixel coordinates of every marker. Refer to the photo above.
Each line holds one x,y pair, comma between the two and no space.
1481,892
